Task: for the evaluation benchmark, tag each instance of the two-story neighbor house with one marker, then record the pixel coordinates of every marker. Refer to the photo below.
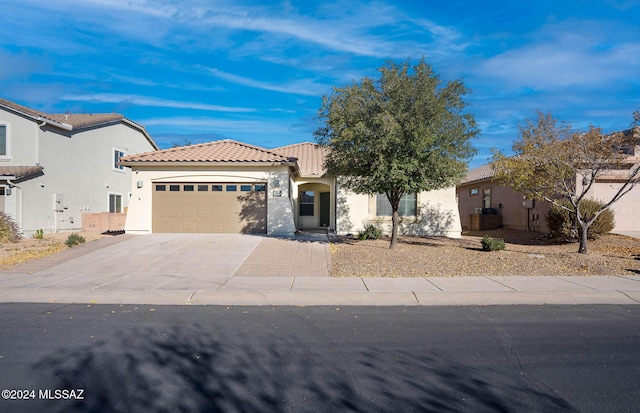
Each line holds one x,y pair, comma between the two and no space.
230,186
55,167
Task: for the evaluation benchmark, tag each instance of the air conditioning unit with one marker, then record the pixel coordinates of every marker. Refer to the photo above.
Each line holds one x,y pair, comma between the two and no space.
478,211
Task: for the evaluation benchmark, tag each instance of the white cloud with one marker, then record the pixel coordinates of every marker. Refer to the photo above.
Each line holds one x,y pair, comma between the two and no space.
565,55
153,102
299,87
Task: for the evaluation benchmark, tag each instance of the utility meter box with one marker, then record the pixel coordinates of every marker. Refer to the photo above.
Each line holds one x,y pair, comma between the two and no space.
58,202
529,203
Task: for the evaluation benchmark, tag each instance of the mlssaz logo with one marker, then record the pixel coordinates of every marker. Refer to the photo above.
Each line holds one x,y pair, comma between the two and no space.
61,394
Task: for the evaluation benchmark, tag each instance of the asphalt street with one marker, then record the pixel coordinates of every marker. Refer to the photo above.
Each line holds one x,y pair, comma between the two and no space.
137,358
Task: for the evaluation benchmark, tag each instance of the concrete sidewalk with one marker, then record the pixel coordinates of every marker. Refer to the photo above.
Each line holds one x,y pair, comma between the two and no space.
312,291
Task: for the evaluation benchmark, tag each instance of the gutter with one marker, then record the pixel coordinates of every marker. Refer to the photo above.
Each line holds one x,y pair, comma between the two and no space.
60,125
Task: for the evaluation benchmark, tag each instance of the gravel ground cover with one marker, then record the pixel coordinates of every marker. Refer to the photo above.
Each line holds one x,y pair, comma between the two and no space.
526,253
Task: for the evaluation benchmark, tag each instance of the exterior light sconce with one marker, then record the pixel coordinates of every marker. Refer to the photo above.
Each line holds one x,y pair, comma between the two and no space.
7,191
276,183
139,184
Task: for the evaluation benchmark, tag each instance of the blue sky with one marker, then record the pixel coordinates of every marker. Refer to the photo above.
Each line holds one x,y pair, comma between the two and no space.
255,71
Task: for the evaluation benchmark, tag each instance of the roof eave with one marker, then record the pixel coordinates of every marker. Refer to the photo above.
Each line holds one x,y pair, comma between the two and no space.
205,163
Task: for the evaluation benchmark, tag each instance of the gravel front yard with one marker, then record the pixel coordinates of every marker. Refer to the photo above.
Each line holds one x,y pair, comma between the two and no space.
525,255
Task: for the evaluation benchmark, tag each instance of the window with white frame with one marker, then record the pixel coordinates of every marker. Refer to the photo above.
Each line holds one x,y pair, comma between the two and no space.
307,202
117,155
4,140
115,203
406,208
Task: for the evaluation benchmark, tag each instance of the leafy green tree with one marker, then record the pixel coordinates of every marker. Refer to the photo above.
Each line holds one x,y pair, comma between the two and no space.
555,163
402,133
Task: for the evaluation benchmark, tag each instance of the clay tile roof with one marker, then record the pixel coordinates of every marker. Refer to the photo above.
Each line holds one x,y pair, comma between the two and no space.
85,120
479,174
19,172
310,157
74,120
218,151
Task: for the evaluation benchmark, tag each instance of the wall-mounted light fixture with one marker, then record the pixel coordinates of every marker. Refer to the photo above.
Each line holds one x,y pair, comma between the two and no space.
139,184
7,191
276,183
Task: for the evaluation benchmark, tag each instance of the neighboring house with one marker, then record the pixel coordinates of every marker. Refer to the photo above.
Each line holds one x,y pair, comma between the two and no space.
481,200
478,193
55,167
229,186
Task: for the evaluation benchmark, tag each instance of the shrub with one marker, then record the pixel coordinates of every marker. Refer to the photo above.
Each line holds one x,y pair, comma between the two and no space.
492,244
9,230
564,225
39,234
370,232
74,239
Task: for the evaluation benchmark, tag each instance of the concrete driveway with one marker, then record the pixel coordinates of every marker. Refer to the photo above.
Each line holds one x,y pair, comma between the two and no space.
149,262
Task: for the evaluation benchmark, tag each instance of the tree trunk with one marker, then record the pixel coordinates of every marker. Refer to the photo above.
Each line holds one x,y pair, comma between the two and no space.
583,229
395,219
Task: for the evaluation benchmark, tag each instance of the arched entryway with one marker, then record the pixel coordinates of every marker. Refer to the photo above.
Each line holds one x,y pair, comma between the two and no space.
314,206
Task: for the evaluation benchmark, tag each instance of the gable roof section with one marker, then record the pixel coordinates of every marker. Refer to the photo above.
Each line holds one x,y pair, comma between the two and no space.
224,151
310,157
74,121
19,172
481,173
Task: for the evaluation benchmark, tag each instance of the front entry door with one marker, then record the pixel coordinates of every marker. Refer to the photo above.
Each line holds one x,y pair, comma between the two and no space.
325,208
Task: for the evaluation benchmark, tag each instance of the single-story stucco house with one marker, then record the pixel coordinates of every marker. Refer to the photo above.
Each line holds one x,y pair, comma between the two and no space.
232,187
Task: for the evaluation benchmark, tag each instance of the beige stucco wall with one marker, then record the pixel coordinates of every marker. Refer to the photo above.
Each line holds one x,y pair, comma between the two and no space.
437,214
279,208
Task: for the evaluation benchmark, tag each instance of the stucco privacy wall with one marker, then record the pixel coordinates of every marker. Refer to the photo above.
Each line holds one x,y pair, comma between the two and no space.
437,214
279,208
78,165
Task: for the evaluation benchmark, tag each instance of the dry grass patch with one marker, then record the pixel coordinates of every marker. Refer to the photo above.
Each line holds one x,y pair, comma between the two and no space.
525,254
28,249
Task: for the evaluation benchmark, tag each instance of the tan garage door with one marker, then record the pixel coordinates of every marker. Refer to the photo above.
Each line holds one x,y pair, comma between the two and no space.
238,208
626,209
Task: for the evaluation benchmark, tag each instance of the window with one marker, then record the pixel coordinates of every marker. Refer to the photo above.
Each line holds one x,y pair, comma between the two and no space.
474,191
406,208
307,203
188,188
4,140
260,188
161,188
174,188
115,203
232,188
203,188
486,198
117,154
245,188
216,188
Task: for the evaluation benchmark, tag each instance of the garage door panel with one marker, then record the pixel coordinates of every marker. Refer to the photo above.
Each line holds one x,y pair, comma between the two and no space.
207,211
626,209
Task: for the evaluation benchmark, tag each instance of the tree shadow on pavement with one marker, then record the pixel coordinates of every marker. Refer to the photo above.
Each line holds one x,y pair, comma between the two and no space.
191,369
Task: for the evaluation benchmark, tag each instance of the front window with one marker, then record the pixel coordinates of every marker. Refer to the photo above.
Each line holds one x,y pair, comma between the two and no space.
115,203
306,203
117,155
4,140
406,208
